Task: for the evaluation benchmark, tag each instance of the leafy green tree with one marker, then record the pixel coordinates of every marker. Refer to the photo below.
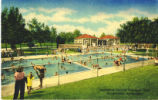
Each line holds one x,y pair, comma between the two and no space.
53,34
29,38
47,34
154,29
94,35
13,26
102,35
41,33
60,38
4,17
69,37
76,33
136,31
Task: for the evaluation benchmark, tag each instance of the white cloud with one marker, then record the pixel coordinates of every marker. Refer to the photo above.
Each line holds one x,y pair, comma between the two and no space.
71,28
39,17
55,15
61,15
22,10
100,17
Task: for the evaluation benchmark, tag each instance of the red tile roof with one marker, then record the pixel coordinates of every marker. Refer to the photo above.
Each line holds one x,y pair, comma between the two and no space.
85,36
109,37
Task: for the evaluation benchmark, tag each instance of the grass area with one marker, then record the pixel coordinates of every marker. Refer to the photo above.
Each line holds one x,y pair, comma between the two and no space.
71,51
136,83
46,44
3,45
37,51
141,52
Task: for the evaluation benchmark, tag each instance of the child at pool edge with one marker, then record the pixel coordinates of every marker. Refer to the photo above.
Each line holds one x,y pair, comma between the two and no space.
29,82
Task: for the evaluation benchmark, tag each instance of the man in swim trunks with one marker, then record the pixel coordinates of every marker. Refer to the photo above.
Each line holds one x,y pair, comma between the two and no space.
40,71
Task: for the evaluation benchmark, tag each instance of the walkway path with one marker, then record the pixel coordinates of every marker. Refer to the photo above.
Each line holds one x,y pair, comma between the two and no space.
53,81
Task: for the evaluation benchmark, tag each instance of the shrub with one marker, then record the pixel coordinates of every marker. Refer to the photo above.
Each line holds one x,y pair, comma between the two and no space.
30,44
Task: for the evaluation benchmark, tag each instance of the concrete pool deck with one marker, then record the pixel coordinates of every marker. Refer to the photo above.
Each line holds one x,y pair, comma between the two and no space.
7,90
59,55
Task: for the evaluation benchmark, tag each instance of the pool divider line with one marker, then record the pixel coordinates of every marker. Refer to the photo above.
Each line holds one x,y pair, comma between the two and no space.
82,65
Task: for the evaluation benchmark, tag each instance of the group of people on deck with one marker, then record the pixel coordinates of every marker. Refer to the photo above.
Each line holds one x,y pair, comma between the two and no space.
21,79
118,62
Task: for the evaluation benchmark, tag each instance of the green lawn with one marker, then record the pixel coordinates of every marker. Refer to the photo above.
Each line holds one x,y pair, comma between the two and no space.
71,52
141,52
3,45
137,83
37,51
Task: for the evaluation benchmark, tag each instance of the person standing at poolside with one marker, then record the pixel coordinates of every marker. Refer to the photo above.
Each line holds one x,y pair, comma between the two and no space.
19,83
2,76
40,71
29,82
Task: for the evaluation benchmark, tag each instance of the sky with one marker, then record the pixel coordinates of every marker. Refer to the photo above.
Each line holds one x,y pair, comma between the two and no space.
89,16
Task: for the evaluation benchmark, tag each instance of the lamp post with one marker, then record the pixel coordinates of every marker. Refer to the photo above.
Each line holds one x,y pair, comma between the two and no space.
58,75
97,71
36,49
124,62
124,55
144,54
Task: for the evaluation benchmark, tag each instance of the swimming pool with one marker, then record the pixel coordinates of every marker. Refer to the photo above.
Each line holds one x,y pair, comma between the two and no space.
103,59
52,68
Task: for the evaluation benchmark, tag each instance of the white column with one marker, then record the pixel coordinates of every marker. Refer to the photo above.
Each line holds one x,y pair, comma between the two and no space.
90,42
82,41
97,43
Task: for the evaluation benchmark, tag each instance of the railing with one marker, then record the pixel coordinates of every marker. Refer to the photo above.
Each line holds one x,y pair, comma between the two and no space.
70,46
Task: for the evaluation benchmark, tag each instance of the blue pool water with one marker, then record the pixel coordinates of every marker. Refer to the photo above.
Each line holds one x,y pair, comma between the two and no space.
51,69
109,62
52,65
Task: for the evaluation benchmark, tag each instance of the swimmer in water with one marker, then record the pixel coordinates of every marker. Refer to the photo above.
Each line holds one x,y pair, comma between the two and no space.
90,57
95,65
32,64
56,74
13,68
61,67
85,63
62,61
48,62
